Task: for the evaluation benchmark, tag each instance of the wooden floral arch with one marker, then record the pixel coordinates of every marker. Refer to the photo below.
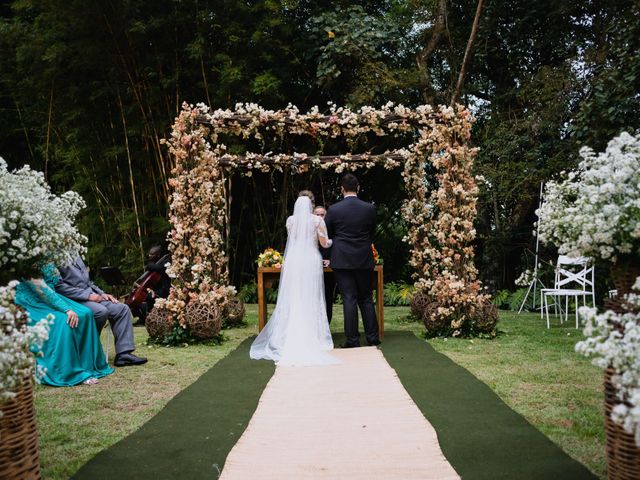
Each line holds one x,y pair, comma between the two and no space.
440,220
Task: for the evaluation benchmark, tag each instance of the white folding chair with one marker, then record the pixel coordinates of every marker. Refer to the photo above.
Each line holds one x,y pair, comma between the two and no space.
569,283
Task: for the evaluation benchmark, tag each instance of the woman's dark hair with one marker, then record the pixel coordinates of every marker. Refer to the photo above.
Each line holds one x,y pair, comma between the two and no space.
349,183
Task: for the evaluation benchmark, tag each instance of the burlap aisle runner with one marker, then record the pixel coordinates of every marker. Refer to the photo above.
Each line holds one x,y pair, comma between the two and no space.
353,421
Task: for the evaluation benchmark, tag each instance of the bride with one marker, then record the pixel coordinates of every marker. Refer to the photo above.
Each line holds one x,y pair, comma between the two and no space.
298,331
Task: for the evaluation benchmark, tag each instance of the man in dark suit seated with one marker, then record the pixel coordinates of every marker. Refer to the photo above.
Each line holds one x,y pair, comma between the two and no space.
329,280
351,224
75,284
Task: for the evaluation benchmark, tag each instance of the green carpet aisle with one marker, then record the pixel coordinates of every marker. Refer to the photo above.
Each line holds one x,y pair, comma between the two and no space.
191,437
479,434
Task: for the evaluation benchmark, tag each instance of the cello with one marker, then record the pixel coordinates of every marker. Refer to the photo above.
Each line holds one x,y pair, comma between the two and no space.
148,280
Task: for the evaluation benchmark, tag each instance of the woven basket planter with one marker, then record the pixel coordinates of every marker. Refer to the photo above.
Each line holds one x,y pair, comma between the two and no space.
623,455
18,436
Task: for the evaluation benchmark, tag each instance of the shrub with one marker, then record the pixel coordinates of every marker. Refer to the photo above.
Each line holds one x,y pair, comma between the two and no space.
397,294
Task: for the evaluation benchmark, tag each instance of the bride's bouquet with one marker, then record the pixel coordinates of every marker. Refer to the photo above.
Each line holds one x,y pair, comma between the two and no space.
270,258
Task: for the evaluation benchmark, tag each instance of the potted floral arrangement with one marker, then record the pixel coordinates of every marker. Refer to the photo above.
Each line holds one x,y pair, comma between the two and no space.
595,212
36,226
613,339
270,258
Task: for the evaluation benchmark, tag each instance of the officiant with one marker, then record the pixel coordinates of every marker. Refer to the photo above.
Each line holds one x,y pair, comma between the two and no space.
329,280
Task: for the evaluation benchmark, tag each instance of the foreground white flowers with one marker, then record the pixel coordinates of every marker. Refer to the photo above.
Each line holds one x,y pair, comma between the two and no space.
35,224
614,340
16,361
595,211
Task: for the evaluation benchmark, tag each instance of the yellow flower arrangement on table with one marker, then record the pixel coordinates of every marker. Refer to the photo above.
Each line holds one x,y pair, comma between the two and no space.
270,258
376,255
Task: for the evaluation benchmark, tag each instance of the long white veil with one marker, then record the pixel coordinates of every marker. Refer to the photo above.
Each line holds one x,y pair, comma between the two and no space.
298,331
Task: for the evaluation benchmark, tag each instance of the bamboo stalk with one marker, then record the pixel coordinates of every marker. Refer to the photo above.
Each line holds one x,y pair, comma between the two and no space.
133,187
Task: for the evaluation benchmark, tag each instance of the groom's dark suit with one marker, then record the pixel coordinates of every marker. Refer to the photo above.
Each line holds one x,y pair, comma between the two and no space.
351,224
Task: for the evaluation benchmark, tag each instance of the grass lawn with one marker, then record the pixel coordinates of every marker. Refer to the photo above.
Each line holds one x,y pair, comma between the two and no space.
534,370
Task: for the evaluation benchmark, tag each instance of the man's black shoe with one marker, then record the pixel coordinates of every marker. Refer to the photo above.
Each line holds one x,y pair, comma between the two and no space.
374,343
128,359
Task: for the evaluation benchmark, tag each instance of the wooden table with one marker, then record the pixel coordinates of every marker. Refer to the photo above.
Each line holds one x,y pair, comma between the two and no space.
268,275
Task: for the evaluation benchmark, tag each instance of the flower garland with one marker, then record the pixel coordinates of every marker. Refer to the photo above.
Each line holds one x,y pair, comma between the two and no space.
440,220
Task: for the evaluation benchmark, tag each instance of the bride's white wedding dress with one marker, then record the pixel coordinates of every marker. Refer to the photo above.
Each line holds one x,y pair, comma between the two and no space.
298,331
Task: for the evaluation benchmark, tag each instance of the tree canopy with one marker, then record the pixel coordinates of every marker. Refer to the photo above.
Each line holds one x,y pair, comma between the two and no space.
88,90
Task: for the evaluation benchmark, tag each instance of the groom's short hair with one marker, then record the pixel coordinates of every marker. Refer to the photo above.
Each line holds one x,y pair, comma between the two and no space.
349,183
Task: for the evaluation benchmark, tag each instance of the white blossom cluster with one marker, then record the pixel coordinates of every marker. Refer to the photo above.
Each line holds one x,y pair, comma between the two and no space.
16,338
35,224
595,211
524,279
614,341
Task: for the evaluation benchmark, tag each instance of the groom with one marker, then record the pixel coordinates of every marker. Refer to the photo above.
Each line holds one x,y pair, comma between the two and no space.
351,224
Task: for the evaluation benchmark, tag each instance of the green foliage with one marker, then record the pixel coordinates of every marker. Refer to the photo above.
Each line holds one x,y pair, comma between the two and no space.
397,294
516,298
501,299
86,98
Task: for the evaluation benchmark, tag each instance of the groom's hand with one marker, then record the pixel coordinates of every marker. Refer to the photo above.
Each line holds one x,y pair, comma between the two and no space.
325,263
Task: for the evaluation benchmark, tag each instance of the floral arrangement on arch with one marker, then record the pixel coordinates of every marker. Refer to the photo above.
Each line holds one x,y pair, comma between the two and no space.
595,210
270,258
440,220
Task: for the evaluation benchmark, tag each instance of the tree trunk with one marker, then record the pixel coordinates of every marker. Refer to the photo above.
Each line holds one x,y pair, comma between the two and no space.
467,53
422,59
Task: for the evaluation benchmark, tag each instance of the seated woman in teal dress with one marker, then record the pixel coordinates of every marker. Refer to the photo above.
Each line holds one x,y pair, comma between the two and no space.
73,354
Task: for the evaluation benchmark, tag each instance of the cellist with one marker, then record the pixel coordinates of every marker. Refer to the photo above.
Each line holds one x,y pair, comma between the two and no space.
160,290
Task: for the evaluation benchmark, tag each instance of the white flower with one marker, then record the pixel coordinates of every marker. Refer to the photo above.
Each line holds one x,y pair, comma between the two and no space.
613,340
595,211
16,360
35,224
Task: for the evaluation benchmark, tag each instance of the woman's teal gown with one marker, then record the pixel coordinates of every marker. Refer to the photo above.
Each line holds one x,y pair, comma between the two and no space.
70,355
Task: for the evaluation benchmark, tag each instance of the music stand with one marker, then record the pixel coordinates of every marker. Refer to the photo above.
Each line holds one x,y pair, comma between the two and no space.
535,280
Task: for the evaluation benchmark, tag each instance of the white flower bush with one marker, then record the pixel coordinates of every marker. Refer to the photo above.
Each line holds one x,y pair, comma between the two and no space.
614,341
524,279
595,211
35,225
16,361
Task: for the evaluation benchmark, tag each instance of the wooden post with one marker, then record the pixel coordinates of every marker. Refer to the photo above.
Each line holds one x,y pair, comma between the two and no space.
380,300
262,307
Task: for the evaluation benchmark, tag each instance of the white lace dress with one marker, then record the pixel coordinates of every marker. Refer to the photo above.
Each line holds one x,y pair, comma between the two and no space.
298,332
